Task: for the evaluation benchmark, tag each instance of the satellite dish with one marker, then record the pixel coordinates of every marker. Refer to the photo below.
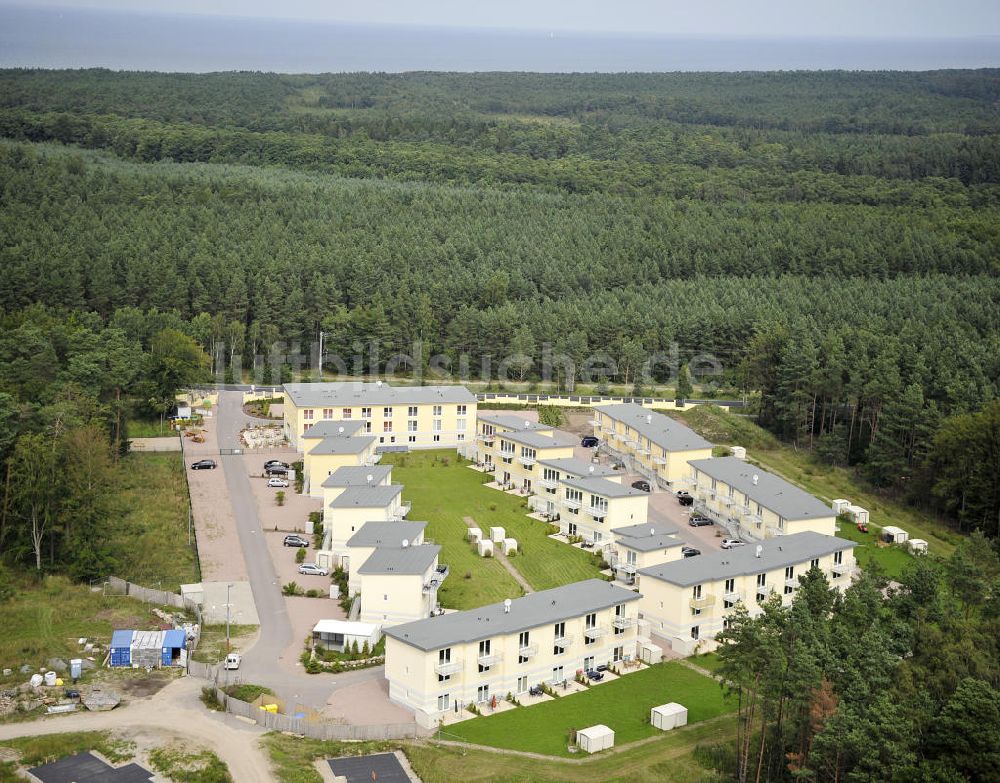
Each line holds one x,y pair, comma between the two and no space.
652,531
506,605
591,469
756,478
369,478
406,543
378,383
759,549
527,424
340,429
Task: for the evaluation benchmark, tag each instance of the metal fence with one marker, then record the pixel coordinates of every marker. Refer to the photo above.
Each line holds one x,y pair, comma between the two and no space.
320,730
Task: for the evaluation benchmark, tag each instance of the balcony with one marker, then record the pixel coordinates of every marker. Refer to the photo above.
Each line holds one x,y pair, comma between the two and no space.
732,597
704,602
548,483
659,461
774,532
446,668
597,512
793,582
526,461
595,632
528,651
624,622
490,659
762,595
594,422
563,641
570,503
842,569
439,575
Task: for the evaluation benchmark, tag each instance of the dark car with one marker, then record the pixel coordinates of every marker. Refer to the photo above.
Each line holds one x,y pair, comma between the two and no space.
276,470
643,485
685,500
589,442
275,463
697,520
204,464
294,540
690,551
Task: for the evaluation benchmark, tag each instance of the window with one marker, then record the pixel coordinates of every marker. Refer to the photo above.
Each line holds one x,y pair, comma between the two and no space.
694,631
462,410
557,674
522,684
838,558
461,437
588,663
387,413
366,413
484,652
437,410
599,504
789,575
412,439
444,657
307,414
306,427
483,693
590,622
696,592
571,528
436,425
761,580
443,702
630,558
327,413
617,654
461,425
411,411
814,563
368,426
523,641
386,426
560,639
347,413
411,425
437,438
730,586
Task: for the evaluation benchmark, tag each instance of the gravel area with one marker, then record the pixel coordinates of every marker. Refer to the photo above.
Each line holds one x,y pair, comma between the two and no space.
366,704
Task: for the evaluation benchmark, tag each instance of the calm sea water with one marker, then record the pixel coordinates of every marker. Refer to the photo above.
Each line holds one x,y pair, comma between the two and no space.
56,38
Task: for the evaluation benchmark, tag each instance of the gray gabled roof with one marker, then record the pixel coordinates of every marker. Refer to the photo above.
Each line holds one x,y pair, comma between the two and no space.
367,497
405,561
352,393
540,440
775,553
783,498
511,421
646,529
532,611
578,468
603,487
386,534
332,427
357,476
341,445
663,431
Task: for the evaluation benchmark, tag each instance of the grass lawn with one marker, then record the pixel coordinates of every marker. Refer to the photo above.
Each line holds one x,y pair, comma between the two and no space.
669,759
182,765
827,482
149,428
212,643
46,620
443,491
153,537
42,750
710,661
623,705
893,559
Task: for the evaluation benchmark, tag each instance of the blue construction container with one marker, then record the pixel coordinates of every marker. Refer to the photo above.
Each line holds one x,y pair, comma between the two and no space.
173,642
121,648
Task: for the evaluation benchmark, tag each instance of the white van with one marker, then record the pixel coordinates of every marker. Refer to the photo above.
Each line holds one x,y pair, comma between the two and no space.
232,661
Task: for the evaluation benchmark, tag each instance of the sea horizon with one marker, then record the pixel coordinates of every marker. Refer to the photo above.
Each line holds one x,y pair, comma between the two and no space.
53,37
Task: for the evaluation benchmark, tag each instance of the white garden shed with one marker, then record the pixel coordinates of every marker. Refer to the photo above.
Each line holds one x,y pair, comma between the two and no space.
669,716
917,546
509,546
485,548
894,535
595,738
475,534
497,534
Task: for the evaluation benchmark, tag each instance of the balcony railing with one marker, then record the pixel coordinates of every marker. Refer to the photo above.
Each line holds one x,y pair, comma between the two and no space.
624,622
659,461
597,512
448,667
569,503
762,594
840,569
595,632
548,483
793,582
774,531
404,508
563,641
704,602
732,597
593,422
490,659
528,651
526,461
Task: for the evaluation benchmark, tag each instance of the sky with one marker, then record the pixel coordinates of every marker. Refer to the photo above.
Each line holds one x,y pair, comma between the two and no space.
879,18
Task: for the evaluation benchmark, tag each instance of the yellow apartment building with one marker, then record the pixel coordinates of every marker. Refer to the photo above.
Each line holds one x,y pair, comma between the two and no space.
355,476
348,511
658,446
641,546
754,504
546,487
594,506
686,601
399,585
489,425
325,456
377,535
414,417
442,664
517,455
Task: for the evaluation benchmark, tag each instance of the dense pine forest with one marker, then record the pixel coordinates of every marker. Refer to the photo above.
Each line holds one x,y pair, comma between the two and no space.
833,239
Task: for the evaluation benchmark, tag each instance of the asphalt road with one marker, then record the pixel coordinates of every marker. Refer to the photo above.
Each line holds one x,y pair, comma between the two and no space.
261,661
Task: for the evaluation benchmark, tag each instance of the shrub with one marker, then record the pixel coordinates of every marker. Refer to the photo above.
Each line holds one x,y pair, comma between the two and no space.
279,497
300,555
210,700
313,593
291,588
493,506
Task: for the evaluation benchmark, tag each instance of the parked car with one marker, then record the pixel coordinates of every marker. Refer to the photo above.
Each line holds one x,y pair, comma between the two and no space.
311,569
277,481
697,520
233,661
276,470
276,462
642,485
732,543
690,551
589,442
685,500
681,493
295,540
204,464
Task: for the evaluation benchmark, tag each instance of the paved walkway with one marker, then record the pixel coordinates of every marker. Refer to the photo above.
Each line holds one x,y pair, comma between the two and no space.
503,560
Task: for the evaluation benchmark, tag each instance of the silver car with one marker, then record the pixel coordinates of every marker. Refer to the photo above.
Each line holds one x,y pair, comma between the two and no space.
311,569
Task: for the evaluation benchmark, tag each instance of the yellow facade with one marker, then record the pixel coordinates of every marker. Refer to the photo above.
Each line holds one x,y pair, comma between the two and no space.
435,682
408,417
342,523
635,440
592,513
317,467
391,599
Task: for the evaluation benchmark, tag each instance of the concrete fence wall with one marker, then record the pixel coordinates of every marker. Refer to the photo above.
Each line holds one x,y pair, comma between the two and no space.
584,400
